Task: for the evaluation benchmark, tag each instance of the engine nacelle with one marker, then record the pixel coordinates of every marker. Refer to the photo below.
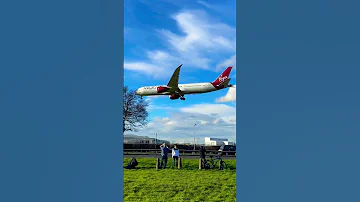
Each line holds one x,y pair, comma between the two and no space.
162,89
174,96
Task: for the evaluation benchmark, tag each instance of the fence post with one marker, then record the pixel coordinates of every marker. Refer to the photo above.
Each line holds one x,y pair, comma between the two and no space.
179,163
157,163
200,164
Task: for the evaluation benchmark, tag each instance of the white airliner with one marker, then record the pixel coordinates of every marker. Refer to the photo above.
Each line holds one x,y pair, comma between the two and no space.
176,91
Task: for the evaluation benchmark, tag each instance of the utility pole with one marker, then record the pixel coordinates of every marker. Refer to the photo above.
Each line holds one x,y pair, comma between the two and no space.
194,136
155,139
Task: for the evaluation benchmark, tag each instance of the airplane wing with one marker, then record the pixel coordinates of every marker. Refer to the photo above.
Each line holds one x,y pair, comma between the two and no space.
174,81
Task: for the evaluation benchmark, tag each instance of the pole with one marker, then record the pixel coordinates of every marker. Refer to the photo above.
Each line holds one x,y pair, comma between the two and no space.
194,136
157,163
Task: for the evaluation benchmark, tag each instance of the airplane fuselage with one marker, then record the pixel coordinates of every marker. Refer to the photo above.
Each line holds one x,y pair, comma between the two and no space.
177,91
191,88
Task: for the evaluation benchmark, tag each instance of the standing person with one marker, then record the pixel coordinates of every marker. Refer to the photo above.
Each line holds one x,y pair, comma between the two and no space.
202,156
202,152
175,156
164,155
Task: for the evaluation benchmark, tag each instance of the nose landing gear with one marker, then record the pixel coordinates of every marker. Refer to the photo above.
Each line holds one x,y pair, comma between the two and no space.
182,98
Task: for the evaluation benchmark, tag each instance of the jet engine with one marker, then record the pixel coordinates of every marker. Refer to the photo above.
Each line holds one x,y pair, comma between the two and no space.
162,89
174,96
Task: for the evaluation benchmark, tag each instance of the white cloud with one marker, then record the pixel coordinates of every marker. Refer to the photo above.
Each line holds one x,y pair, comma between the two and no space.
161,57
201,41
213,120
145,68
199,34
223,111
226,63
229,97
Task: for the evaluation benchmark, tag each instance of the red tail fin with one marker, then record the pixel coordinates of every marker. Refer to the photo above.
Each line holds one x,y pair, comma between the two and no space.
223,77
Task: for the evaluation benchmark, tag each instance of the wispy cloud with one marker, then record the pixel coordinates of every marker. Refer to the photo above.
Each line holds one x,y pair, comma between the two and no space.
145,68
225,7
200,43
205,4
200,31
228,62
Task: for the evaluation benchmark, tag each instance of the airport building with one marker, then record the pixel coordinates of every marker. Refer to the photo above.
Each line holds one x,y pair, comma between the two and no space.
229,143
211,141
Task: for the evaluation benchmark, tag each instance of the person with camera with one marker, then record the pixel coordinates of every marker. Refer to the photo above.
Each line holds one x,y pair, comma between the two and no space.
164,155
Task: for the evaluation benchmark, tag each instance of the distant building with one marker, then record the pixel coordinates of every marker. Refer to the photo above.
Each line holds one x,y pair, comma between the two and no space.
210,141
135,139
229,143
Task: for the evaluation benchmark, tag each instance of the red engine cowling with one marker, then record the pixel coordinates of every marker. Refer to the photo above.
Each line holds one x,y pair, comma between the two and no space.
174,96
162,89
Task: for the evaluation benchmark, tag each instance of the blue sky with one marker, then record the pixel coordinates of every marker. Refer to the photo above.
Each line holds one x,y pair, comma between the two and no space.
161,35
298,131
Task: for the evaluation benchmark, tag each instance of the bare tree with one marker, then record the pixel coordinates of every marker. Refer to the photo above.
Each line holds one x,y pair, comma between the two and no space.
135,111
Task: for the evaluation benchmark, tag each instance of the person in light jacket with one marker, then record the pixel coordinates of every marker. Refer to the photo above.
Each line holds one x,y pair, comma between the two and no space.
175,156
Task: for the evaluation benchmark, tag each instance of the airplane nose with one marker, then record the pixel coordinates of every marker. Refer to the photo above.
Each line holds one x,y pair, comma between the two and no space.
137,92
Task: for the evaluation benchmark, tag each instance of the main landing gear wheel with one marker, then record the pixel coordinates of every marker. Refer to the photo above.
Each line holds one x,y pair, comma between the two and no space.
141,97
182,98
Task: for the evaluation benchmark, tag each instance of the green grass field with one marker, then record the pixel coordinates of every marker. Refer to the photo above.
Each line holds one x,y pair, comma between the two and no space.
172,185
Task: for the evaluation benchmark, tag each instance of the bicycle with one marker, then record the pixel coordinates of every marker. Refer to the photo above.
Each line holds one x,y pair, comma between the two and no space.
214,160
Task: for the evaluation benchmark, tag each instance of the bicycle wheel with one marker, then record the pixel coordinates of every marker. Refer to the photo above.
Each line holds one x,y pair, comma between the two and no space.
211,163
224,165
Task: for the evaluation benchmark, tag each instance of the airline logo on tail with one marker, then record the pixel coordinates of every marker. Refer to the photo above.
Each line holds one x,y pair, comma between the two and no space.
222,78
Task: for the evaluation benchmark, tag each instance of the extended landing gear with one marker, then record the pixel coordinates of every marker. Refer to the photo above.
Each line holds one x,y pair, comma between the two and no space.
141,97
182,98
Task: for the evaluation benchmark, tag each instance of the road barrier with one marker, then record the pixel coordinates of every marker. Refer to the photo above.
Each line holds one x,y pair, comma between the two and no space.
182,152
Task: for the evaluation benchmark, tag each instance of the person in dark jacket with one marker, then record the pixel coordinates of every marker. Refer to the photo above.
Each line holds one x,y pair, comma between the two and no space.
202,152
164,155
